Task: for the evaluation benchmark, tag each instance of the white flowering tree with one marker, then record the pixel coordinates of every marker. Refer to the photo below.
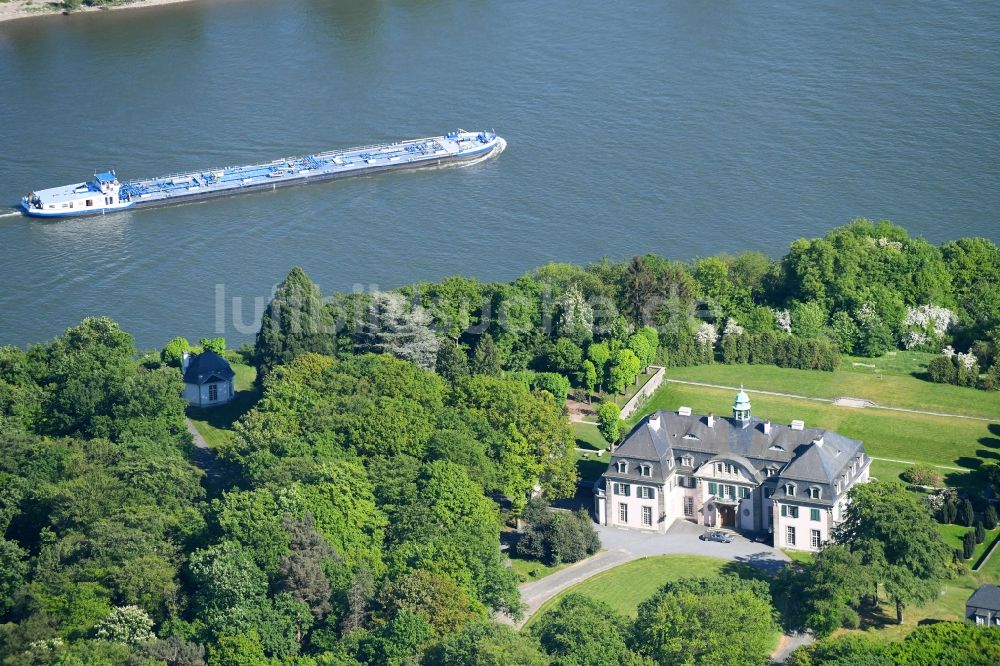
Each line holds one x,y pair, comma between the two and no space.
126,624
926,325
783,320
706,337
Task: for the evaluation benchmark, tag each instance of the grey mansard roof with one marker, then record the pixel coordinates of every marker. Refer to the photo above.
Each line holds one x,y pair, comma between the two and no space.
986,596
208,366
808,456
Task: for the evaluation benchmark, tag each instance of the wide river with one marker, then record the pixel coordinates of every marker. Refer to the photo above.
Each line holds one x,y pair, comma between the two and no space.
680,127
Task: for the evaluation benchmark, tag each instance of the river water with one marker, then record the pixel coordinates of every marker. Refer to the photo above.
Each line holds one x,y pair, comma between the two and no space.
682,128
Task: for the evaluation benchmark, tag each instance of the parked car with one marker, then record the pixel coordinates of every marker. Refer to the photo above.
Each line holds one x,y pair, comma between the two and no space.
721,537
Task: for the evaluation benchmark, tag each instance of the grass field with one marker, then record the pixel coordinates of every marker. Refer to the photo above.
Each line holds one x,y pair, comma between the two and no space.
891,383
529,570
628,585
588,464
953,535
216,423
938,440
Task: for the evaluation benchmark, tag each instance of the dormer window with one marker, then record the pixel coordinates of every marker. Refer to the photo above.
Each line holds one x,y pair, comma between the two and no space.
687,461
645,470
838,486
790,489
814,493
854,468
622,467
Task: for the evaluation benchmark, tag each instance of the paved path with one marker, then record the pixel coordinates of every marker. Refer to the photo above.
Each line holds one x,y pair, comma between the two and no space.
910,462
851,402
788,644
203,457
621,546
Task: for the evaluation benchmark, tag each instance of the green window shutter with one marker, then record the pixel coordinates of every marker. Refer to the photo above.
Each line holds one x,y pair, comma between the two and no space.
732,492
814,514
744,493
784,510
711,487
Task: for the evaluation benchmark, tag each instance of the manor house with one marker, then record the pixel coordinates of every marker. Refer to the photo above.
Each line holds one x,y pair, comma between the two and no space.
741,473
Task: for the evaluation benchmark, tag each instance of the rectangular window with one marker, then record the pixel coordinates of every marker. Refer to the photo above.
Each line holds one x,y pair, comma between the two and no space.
711,488
689,506
814,538
645,492
744,493
622,489
90,202
213,392
647,516
814,514
793,511
789,536
731,492
718,467
623,513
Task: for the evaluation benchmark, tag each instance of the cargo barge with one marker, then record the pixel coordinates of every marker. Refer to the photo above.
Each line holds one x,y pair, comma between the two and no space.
106,194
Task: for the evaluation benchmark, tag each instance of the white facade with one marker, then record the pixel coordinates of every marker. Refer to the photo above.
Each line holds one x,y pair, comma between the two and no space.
671,468
209,395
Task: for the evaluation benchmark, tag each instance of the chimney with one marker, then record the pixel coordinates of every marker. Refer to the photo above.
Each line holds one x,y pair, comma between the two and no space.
818,442
684,411
185,361
767,427
654,420
711,420
798,425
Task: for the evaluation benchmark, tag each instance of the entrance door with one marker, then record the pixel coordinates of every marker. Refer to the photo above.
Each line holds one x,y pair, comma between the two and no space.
727,514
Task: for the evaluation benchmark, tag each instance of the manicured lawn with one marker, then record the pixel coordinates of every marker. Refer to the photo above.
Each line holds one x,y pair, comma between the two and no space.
799,556
529,570
587,436
628,585
216,423
588,464
890,384
936,440
949,605
953,535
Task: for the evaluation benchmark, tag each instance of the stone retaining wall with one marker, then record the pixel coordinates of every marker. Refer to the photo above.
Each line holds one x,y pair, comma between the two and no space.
643,394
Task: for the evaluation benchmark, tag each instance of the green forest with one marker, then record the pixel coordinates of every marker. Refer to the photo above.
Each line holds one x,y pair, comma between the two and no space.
354,516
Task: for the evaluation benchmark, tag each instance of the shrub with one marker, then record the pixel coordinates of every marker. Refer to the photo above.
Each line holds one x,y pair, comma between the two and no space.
554,383
966,514
609,422
217,345
923,475
980,532
554,537
991,382
968,544
942,370
990,517
173,352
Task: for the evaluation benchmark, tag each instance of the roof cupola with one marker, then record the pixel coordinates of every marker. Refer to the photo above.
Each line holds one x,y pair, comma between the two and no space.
741,407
